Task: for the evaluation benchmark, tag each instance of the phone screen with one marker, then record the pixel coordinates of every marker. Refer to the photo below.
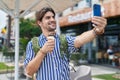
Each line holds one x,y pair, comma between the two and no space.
97,10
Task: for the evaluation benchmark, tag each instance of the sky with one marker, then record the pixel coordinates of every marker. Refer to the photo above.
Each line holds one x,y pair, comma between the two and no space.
3,19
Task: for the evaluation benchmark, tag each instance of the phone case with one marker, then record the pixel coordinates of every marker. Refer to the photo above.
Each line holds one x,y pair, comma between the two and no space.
97,10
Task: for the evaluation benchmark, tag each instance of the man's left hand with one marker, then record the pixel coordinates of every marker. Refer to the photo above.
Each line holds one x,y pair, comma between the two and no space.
99,23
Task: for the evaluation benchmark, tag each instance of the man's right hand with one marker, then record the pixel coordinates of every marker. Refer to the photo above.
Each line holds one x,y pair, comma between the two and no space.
49,45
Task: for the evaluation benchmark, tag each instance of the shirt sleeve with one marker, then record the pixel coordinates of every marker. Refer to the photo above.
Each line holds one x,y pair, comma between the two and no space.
71,47
29,54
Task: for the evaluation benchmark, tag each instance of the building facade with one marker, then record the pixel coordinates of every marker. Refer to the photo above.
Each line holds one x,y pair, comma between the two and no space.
78,21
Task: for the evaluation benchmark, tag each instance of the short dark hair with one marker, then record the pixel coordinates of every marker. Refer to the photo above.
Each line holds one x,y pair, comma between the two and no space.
40,14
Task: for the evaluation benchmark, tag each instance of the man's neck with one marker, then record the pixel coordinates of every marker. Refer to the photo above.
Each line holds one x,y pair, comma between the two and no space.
52,33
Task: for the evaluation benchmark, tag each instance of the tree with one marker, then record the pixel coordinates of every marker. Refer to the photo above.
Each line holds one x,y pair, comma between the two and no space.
28,29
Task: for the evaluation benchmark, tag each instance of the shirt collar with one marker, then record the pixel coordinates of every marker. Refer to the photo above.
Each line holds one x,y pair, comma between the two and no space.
42,36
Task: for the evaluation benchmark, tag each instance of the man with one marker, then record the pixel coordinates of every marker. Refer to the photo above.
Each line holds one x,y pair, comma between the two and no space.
48,63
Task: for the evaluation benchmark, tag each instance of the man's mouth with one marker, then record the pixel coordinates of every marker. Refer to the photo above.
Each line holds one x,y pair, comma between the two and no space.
52,24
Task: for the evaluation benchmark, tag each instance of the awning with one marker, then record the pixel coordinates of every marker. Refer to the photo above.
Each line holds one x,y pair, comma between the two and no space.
34,5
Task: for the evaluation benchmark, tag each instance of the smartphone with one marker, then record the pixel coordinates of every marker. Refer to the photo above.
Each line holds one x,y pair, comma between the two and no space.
97,10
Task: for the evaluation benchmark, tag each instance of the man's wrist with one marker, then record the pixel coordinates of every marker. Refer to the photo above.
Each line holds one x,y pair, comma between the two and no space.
41,51
97,32
94,32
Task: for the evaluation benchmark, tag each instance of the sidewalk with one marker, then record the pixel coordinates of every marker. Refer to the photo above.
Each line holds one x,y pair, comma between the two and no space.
95,70
100,69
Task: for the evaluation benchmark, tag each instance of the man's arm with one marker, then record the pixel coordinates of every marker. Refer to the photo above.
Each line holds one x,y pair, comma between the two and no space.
35,63
99,24
84,38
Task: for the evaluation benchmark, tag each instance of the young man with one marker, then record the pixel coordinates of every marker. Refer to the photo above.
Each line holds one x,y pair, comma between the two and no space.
48,63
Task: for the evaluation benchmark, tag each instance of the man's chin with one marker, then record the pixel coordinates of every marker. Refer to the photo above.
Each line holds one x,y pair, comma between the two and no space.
52,29
52,32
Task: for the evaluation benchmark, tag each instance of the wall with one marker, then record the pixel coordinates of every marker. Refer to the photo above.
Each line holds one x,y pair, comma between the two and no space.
111,9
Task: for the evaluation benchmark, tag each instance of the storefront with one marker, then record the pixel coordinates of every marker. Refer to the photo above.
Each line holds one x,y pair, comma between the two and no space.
79,21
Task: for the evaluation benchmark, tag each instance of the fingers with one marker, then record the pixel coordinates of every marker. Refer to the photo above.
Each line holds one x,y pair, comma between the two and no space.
50,42
99,21
50,38
49,45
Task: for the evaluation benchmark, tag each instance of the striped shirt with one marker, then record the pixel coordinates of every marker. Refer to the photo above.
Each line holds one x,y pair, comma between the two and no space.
53,67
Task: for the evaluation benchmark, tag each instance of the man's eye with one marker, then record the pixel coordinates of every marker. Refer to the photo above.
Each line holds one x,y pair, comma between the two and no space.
47,17
54,17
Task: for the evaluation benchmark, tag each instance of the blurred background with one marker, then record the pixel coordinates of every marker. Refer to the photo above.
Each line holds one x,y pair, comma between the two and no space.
72,21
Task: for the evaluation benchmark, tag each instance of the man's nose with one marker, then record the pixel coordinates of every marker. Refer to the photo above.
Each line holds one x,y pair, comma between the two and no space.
52,19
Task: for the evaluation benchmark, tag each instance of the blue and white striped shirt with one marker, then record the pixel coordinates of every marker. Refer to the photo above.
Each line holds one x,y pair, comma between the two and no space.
53,67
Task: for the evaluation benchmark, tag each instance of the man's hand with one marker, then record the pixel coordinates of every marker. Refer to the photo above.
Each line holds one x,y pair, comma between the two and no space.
49,45
99,24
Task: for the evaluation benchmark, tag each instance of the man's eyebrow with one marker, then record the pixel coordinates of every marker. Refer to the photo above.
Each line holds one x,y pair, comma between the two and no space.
49,16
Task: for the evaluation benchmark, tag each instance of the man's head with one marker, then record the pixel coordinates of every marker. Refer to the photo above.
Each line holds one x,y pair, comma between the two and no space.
40,14
46,19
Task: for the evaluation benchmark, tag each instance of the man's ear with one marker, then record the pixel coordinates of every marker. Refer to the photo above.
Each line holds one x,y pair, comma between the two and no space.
39,23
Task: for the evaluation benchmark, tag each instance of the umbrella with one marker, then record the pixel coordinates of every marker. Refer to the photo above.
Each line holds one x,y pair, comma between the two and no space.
14,7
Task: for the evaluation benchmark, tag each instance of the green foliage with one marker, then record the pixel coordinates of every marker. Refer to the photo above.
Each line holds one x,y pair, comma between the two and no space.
106,77
8,52
35,43
63,46
4,49
23,43
28,28
77,56
3,66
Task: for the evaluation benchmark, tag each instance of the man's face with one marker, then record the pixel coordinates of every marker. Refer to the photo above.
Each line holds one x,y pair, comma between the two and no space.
48,22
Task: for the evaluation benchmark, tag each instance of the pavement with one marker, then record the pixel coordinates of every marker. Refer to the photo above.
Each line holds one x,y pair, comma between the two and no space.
95,70
101,69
